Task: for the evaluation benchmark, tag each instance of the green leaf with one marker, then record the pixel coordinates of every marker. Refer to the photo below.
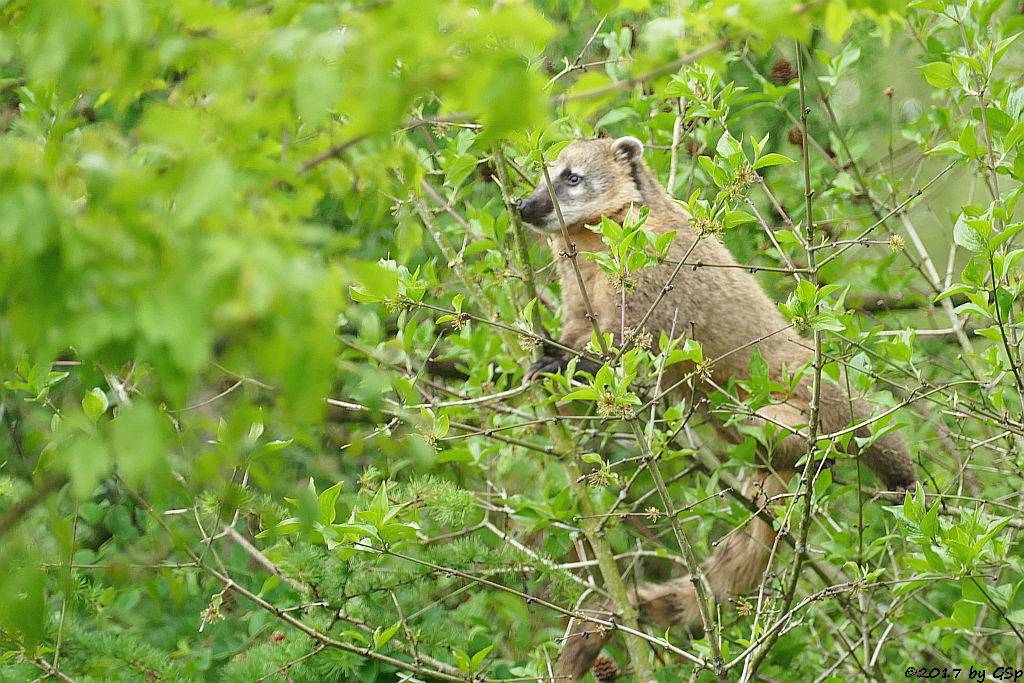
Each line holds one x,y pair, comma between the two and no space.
282,528
478,658
838,20
827,321
1015,135
965,614
381,637
360,296
734,218
583,394
1003,45
936,562
901,347
772,159
906,525
968,140
376,281
455,455
967,237
717,174
947,147
207,187
461,660
661,35
23,603
994,528
316,88
441,426
1000,237
326,501
138,439
823,483
87,461
758,371
930,522
728,146
95,404
939,74
458,168
1015,103
952,290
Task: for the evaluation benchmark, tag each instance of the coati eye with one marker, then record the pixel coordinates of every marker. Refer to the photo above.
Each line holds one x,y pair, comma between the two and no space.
573,179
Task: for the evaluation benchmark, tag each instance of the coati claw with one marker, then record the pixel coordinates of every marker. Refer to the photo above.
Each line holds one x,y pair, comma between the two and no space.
557,360
559,364
823,464
553,360
546,364
902,489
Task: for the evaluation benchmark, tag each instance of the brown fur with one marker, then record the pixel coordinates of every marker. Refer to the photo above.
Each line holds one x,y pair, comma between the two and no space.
723,309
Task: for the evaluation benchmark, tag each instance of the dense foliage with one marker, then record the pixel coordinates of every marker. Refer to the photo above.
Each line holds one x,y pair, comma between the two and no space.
266,306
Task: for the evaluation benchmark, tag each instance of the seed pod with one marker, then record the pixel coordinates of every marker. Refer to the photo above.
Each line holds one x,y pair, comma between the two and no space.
605,669
782,71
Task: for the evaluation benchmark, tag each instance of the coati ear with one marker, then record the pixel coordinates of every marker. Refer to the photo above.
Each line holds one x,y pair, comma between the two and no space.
628,149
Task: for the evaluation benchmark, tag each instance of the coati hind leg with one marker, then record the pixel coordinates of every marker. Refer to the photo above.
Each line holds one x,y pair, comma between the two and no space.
742,560
735,568
886,456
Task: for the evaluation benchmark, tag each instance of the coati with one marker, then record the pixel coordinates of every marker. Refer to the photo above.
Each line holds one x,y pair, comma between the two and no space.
724,309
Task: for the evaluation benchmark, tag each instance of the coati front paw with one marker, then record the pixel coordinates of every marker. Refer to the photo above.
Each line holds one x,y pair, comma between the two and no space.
557,360
899,474
824,464
903,486
546,364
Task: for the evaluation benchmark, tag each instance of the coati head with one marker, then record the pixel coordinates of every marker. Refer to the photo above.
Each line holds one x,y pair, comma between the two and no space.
590,179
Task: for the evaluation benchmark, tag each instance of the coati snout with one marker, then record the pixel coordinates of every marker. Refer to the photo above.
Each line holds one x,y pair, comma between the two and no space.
535,208
585,185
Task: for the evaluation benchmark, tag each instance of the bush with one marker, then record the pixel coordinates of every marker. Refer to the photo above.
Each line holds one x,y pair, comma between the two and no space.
266,307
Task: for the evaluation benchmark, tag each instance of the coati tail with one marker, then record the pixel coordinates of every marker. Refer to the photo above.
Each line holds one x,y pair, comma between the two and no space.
582,646
735,568
887,456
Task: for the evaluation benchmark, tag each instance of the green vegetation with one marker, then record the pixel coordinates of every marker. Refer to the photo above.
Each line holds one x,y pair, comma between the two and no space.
265,310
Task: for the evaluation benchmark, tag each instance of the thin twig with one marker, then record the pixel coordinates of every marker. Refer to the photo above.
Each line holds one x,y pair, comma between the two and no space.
805,488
